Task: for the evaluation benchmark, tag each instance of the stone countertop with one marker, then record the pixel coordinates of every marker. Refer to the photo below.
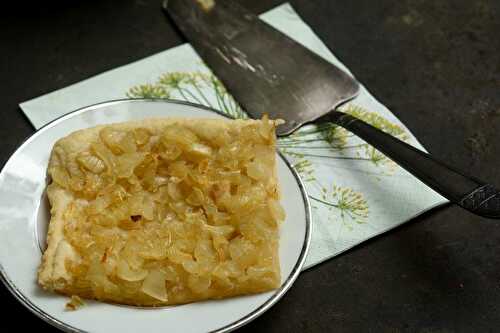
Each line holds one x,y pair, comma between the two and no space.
434,63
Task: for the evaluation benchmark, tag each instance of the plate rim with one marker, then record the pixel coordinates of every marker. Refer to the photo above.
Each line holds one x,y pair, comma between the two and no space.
279,293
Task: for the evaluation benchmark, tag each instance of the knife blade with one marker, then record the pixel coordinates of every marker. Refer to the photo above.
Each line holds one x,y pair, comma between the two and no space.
271,74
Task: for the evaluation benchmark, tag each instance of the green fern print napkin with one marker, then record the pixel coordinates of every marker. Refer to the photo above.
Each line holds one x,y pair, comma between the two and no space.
356,192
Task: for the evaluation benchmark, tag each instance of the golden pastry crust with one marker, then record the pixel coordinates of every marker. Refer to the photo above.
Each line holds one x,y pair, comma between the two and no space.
164,211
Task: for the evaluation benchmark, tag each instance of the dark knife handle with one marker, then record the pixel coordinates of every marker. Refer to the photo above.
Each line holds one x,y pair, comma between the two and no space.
468,192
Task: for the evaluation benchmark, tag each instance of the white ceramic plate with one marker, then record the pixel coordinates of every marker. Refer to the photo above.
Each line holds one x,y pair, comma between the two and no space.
24,215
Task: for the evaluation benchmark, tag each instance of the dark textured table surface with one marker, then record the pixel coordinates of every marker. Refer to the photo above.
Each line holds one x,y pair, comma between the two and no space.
434,63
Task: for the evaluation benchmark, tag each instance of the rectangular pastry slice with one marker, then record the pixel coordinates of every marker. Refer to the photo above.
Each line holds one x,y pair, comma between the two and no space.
164,211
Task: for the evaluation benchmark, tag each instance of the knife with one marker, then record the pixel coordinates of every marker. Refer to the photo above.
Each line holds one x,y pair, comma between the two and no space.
269,73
